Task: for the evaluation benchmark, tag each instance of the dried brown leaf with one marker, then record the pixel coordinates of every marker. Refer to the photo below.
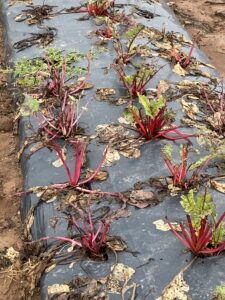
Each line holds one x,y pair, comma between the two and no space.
142,199
176,289
112,155
105,93
102,175
219,186
164,85
161,225
58,288
191,109
179,70
115,243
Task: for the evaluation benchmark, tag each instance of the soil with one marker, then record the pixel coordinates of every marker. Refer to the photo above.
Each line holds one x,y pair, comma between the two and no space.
10,182
208,18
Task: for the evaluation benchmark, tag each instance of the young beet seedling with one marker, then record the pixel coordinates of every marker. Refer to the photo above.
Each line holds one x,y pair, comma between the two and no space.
74,178
56,84
98,8
136,83
183,60
218,119
124,56
62,123
201,241
91,237
180,171
106,33
151,124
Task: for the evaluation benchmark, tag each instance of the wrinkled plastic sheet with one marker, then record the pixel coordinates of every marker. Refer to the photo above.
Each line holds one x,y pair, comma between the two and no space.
166,256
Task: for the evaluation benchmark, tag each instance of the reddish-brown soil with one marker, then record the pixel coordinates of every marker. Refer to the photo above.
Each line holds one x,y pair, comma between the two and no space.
10,182
208,17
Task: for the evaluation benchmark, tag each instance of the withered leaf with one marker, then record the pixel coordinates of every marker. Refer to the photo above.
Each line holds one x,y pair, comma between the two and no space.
101,176
58,288
105,93
131,152
115,243
142,199
191,109
119,273
219,186
111,132
112,155
164,85
161,225
179,70
176,289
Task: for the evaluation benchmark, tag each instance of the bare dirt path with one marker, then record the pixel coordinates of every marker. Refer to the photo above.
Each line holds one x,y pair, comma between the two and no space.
208,17
10,182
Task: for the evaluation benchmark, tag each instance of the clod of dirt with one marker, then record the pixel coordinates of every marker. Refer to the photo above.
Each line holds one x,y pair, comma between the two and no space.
6,123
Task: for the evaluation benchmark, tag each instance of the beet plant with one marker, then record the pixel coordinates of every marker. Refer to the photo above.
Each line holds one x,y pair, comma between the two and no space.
57,83
204,234
217,107
62,122
107,32
136,83
184,175
30,74
89,235
181,58
124,56
98,8
202,241
156,120
74,180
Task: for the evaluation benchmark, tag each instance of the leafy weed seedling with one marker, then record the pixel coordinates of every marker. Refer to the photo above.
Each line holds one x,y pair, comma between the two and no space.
31,73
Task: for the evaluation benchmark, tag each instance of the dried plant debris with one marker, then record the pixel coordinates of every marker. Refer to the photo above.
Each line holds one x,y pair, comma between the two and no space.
12,2
111,133
203,105
8,257
106,94
121,142
30,270
218,184
164,226
143,12
109,95
36,14
115,243
101,176
86,288
141,198
117,282
176,289
41,39
81,287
